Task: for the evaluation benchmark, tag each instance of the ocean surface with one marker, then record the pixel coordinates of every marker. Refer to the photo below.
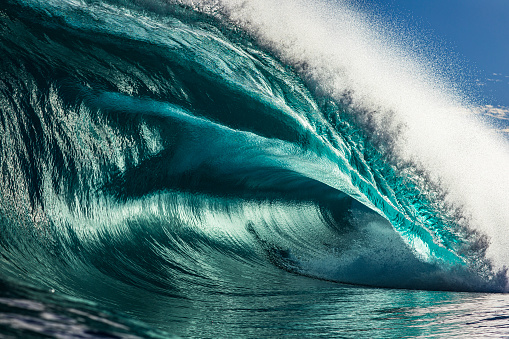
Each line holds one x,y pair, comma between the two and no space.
251,169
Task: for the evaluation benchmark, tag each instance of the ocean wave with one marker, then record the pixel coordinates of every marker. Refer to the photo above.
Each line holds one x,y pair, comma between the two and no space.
166,151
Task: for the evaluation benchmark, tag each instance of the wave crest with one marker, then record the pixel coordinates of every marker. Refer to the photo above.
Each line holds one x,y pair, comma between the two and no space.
137,147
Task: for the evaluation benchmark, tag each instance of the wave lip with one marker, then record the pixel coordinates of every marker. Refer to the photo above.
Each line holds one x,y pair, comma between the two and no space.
409,105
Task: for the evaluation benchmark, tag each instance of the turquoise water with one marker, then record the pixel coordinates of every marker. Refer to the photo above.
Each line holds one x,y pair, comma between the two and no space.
178,169
281,305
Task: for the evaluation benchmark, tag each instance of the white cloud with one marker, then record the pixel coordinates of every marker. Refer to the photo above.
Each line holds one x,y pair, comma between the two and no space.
497,77
498,112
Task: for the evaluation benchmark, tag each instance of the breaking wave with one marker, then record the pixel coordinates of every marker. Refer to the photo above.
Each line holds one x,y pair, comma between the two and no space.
153,146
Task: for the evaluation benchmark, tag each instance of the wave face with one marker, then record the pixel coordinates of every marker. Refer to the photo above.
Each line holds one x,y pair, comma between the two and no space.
172,151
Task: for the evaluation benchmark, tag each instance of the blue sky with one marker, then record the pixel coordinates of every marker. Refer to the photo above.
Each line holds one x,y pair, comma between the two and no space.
476,30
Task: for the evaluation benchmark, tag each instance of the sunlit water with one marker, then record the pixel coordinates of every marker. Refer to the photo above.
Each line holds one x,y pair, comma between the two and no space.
264,169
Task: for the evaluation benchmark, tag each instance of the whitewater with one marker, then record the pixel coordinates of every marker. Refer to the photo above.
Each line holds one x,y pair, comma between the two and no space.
226,168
